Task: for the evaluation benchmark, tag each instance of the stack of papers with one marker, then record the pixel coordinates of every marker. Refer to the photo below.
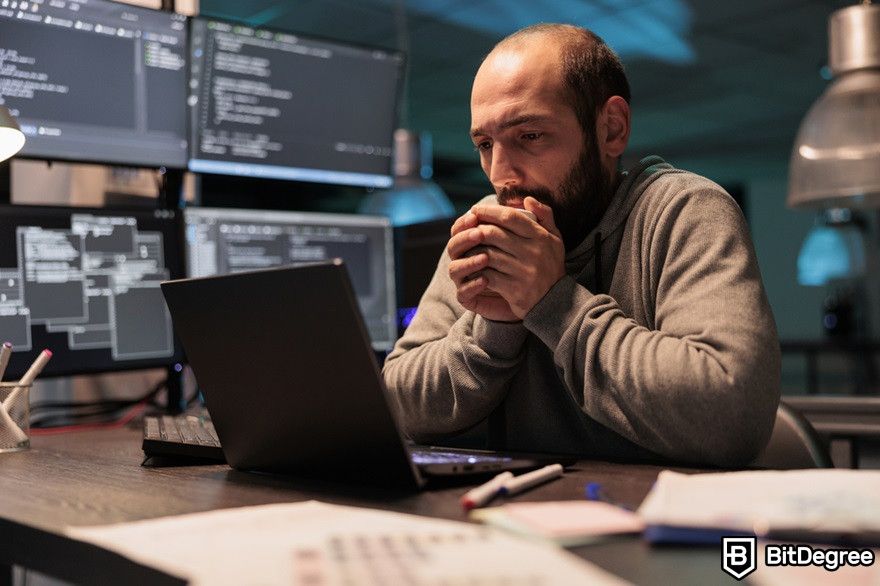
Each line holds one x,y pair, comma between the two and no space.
818,505
312,544
567,523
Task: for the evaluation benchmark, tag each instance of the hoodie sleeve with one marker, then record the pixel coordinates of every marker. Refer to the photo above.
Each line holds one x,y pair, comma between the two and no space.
452,367
701,385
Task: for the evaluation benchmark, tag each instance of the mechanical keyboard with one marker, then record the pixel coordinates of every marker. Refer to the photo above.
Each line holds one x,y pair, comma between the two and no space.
181,435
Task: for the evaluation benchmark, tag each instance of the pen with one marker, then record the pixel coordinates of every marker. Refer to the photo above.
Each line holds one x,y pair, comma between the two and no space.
524,481
594,492
30,375
479,496
5,353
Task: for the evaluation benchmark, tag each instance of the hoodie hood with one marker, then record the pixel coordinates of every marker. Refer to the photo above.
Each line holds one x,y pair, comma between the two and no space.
605,237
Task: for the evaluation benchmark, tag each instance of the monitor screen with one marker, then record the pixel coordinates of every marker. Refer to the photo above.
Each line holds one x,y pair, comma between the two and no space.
220,241
283,106
96,81
84,283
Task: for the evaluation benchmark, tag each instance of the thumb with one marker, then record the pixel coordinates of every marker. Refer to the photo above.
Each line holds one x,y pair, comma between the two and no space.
543,212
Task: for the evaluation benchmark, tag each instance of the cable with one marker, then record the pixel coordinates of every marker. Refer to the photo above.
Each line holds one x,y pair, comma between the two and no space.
65,418
87,409
50,405
121,422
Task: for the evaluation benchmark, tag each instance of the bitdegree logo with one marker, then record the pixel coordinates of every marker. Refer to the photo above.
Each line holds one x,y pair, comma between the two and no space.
739,559
805,555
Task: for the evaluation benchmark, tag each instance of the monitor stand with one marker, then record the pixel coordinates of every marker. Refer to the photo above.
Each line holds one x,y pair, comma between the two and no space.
174,388
6,182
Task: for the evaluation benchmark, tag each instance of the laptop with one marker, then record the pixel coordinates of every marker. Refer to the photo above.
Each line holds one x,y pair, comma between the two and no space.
292,385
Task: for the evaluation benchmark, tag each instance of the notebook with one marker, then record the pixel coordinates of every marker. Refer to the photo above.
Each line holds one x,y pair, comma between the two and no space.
292,385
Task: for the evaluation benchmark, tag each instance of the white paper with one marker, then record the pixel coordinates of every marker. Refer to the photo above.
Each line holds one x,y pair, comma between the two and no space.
320,544
761,501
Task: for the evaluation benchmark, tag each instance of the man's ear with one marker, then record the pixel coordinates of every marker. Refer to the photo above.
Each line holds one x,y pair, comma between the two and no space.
614,127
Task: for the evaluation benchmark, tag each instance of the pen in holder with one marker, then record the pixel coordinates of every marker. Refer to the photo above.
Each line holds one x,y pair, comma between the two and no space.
14,417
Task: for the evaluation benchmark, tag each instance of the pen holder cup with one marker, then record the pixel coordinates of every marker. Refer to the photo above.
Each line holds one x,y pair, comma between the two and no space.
15,431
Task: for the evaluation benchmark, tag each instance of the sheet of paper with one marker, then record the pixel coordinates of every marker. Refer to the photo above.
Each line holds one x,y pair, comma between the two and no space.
565,522
317,544
815,500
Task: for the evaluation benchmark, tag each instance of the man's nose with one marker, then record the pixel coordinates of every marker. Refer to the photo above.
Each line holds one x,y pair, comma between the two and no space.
504,171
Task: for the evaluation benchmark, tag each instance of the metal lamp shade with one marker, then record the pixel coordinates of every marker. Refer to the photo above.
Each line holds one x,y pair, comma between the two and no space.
11,137
835,161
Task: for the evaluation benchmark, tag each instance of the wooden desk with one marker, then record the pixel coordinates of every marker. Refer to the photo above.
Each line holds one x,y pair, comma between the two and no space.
95,477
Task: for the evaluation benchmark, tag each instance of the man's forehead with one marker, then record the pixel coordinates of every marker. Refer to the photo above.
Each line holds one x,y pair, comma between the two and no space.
515,83
520,64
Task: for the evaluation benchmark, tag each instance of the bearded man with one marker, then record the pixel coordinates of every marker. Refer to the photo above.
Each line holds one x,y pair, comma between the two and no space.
627,321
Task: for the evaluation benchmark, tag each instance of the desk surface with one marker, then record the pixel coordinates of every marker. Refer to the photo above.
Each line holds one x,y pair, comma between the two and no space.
95,477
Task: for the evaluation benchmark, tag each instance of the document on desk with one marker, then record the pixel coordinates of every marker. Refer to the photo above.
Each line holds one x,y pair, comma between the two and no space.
567,523
821,503
318,544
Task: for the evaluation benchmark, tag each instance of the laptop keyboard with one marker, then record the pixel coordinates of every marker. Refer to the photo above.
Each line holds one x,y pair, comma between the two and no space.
434,456
181,435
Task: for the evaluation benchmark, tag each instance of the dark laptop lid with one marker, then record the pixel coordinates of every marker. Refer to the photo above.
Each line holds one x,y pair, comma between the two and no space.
288,373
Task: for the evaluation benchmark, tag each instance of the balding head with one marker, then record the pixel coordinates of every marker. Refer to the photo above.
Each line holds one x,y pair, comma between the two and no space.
589,70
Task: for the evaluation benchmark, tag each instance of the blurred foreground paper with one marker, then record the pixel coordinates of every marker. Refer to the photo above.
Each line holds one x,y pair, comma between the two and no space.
835,504
317,544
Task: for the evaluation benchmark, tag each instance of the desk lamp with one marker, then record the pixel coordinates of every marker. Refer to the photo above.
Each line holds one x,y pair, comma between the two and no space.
11,137
415,197
835,161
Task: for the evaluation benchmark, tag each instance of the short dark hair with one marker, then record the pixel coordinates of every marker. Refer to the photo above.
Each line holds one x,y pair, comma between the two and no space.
591,71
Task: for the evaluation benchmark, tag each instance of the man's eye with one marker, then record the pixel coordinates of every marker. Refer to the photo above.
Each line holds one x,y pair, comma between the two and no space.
483,146
531,135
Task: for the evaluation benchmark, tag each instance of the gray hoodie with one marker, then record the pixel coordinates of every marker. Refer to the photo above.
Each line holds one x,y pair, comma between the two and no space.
659,341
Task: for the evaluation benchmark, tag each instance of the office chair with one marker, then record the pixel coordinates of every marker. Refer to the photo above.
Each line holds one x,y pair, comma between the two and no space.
794,443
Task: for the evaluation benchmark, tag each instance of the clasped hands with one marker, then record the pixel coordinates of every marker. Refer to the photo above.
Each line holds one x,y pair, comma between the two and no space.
502,262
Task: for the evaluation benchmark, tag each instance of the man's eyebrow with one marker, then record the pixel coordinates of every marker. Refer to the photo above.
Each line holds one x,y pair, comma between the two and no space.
525,119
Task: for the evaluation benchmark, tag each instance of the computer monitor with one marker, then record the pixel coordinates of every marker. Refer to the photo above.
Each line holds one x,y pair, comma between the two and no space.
284,106
84,283
95,81
220,241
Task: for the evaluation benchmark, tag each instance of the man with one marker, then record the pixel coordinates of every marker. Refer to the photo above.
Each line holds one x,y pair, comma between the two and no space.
628,321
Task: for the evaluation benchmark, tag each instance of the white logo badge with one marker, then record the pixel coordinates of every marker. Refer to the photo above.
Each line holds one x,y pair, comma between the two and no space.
739,557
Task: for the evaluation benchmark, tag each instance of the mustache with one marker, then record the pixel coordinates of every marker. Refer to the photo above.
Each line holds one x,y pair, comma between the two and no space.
507,194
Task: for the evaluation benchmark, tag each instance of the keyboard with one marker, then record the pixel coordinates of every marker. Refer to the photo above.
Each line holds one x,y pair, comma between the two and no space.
181,435
431,455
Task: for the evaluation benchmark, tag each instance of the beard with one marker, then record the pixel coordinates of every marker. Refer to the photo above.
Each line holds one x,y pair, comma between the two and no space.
580,201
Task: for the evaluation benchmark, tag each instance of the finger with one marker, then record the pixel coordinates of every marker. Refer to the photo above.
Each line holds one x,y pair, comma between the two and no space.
463,241
501,261
543,212
464,222
507,218
461,268
467,291
501,238
502,284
